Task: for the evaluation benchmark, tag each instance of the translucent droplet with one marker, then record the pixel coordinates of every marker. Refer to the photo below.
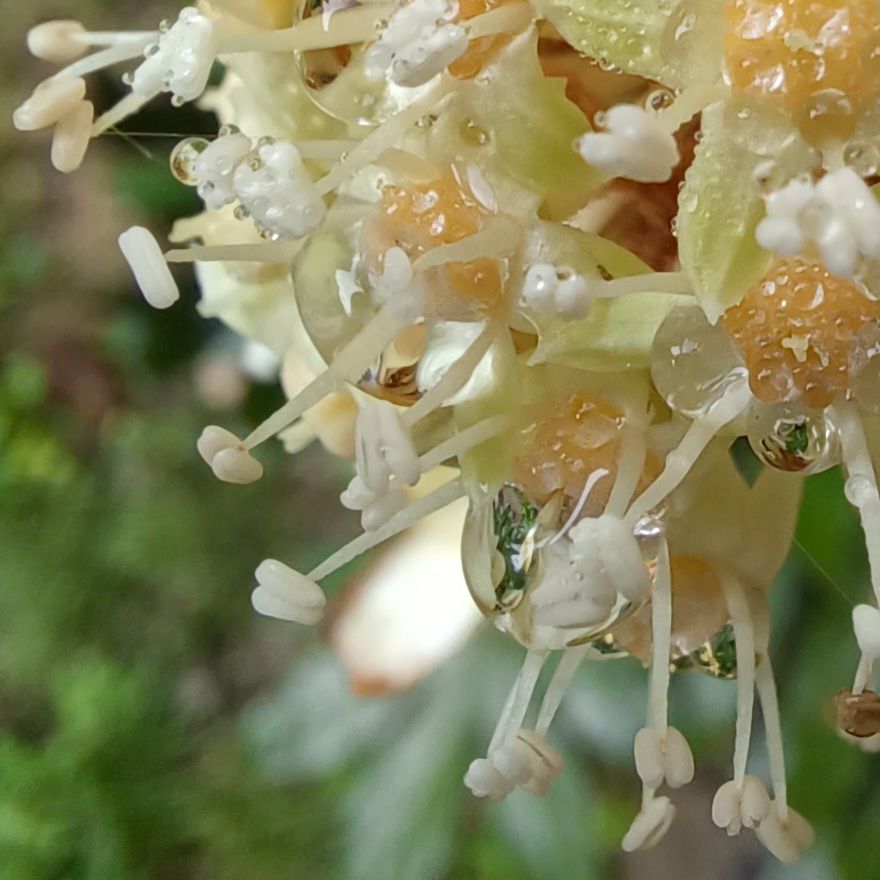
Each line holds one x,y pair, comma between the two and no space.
473,134
864,367
515,526
183,158
863,157
791,437
693,363
660,99
858,490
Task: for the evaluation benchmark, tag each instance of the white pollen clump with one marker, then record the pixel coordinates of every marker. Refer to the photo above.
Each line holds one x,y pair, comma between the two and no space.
181,61
214,169
147,263
787,840
529,762
71,137
839,214
737,805
227,457
274,187
419,42
56,41
558,289
866,623
50,102
286,594
634,144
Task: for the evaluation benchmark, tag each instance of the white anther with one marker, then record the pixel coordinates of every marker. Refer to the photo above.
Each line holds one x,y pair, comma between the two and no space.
558,289
446,344
275,188
740,804
71,137
214,169
147,263
663,758
786,840
839,214
51,101
634,144
866,623
287,594
227,457
587,570
384,448
527,761
181,60
347,284
418,43
650,826
56,41
376,507
395,278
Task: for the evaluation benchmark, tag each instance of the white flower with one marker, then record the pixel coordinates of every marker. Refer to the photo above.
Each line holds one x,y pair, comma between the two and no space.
662,759
634,144
180,62
418,43
147,263
214,169
287,594
740,804
839,214
650,826
276,190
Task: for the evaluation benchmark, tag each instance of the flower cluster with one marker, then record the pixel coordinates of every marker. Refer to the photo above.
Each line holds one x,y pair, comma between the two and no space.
576,249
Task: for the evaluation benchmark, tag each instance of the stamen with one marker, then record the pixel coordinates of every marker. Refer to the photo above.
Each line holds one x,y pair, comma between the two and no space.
466,440
679,462
861,491
517,704
151,272
689,103
122,109
71,137
677,283
500,237
661,629
277,252
114,54
51,101
287,595
425,506
506,19
347,27
56,41
562,677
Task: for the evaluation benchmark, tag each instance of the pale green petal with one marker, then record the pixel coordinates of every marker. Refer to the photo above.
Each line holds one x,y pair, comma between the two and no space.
719,208
616,334
677,43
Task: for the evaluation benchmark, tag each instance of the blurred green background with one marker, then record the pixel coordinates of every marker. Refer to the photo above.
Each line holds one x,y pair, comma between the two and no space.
152,726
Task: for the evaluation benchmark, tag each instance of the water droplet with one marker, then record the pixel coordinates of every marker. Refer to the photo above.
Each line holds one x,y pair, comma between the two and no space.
183,157
716,657
693,363
791,437
660,99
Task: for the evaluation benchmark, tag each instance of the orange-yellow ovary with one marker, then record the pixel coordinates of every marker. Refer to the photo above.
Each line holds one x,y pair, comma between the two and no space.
559,453
795,329
481,50
818,59
418,217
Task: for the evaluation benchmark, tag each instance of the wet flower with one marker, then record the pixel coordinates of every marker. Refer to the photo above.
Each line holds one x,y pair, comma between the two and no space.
429,217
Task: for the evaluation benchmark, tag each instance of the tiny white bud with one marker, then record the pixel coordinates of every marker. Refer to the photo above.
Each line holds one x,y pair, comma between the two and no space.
147,263
71,137
277,191
56,41
51,100
286,594
866,623
181,61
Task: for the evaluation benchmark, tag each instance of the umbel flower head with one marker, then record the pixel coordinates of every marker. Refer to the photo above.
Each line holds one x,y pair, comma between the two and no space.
574,249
